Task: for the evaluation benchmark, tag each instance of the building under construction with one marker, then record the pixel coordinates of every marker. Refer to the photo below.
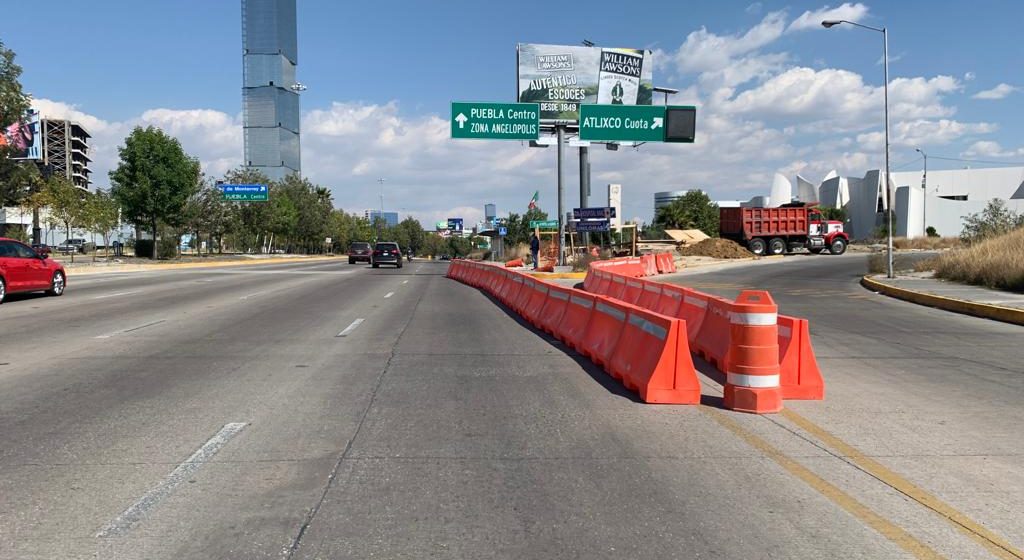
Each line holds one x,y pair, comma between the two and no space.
66,151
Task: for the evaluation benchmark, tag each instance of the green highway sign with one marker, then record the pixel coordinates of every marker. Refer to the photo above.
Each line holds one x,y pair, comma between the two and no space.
495,121
544,224
245,193
622,123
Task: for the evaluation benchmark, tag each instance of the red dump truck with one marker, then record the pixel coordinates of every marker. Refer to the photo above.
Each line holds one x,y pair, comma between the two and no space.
774,231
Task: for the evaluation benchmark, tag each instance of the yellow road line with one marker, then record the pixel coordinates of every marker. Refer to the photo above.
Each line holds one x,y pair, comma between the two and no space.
890,530
995,544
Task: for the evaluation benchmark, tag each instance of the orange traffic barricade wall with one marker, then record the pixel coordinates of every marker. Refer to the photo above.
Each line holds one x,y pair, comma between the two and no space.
554,308
603,283
752,374
648,265
693,310
515,286
670,301
711,341
535,303
573,326
617,287
606,324
798,367
632,292
652,358
650,295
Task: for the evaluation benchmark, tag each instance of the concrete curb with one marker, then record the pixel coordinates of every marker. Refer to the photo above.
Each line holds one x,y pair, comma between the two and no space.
983,310
71,272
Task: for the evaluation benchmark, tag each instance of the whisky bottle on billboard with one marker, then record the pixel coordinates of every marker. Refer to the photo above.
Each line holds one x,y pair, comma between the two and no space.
618,81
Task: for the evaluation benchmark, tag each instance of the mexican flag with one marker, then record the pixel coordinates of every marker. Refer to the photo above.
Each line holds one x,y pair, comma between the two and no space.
533,201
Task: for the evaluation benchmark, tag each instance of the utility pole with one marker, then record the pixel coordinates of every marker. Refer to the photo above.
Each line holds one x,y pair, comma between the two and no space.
380,219
561,192
924,192
584,188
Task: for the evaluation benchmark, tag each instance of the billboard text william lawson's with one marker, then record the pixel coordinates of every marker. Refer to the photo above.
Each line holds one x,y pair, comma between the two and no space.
561,78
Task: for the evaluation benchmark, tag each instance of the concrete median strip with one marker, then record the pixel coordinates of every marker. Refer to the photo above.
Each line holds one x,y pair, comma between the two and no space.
87,271
984,310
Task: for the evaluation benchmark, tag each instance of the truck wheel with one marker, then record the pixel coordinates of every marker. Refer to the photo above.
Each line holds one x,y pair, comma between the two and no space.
777,246
838,246
757,246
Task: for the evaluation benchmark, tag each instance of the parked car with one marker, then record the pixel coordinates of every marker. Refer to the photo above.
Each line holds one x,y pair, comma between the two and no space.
42,248
76,245
446,257
359,251
24,270
386,253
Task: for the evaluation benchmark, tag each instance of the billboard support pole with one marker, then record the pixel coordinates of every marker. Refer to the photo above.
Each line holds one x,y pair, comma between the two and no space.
561,193
584,189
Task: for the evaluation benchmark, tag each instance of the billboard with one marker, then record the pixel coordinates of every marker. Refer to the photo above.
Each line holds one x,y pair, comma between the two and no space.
24,138
455,224
561,78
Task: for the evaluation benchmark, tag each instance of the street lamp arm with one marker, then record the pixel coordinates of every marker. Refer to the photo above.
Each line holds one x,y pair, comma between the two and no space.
830,23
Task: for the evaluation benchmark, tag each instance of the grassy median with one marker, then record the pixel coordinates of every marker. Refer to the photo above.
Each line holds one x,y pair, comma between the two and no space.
995,263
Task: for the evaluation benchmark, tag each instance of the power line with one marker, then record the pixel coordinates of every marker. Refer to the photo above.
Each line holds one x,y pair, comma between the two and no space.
978,161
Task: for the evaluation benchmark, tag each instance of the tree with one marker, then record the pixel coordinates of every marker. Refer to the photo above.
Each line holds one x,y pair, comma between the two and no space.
14,106
65,201
694,210
154,179
996,219
100,216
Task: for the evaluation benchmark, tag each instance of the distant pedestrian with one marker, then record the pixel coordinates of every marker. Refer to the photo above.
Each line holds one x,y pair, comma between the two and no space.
534,248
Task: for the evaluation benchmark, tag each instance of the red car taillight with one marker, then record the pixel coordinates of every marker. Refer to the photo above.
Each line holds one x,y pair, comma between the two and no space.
377,252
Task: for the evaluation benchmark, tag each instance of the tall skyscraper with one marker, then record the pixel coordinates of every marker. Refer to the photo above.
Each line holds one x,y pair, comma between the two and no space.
270,98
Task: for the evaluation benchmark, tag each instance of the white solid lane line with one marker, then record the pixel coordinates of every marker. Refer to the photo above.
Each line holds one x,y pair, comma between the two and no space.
115,295
254,294
348,330
389,294
405,281
139,510
115,333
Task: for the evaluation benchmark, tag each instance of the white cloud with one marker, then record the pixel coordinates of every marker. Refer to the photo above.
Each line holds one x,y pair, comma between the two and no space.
988,148
998,92
812,19
922,133
969,76
754,8
703,51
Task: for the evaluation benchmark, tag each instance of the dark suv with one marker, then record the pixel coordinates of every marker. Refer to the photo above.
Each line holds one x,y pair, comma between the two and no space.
387,253
359,251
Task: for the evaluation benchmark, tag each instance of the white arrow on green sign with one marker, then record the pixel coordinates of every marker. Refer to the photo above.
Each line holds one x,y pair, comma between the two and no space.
495,121
622,123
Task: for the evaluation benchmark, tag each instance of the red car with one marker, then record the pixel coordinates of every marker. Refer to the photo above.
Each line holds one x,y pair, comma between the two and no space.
24,270
359,251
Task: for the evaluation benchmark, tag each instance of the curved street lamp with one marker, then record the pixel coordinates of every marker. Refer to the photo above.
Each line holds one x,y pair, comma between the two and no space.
828,24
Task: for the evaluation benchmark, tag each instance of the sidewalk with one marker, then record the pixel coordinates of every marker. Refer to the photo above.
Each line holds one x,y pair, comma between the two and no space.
951,296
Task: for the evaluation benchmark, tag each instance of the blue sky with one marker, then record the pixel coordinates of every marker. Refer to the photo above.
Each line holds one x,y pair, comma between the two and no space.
775,95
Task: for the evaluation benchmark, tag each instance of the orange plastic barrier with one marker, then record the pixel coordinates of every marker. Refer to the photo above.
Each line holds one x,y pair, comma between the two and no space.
752,374
515,286
632,292
514,263
603,283
504,285
473,274
653,358
665,262
617,287
573,326
693,310
800,376
535,303
711,341
523,296
554,308
649,265
650,296
670,301
606,324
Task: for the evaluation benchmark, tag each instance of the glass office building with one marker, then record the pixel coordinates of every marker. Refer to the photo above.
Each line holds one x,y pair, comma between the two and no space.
270,104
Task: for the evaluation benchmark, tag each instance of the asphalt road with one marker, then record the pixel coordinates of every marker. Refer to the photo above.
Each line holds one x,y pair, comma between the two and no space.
322,410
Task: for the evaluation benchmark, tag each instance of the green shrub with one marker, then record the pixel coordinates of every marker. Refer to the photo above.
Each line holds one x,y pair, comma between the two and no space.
143,248
931,232
167,247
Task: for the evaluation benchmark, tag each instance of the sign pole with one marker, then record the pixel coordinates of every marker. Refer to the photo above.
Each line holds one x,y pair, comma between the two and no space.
561,192
584,188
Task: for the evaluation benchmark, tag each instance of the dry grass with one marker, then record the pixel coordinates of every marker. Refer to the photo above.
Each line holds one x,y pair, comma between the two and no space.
900,262
927,243
996,263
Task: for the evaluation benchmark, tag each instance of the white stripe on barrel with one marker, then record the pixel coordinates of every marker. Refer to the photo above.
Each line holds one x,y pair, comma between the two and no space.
754,319
754,381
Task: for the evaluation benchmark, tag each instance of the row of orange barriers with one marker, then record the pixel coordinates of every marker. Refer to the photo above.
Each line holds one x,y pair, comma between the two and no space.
647,351
730,335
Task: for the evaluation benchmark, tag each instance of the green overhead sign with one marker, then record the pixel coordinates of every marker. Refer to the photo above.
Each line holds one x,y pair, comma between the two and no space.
636,123
544,224
495,121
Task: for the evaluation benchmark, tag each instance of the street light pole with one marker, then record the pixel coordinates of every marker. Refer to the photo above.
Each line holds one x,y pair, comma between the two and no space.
827,24
380,219
924,192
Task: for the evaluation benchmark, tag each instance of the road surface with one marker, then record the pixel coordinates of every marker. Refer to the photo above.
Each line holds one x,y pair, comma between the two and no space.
326,410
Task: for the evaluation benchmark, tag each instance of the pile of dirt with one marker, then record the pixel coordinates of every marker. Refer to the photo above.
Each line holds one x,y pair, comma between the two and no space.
717,248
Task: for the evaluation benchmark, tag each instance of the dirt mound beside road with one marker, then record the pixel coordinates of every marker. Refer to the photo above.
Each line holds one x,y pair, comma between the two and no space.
717,248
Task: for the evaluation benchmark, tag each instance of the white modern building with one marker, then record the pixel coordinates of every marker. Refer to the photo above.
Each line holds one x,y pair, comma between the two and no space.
940,202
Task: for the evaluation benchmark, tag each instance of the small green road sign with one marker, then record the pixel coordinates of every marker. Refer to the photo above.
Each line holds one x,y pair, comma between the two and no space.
245,193
496,121
622,123
544,224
